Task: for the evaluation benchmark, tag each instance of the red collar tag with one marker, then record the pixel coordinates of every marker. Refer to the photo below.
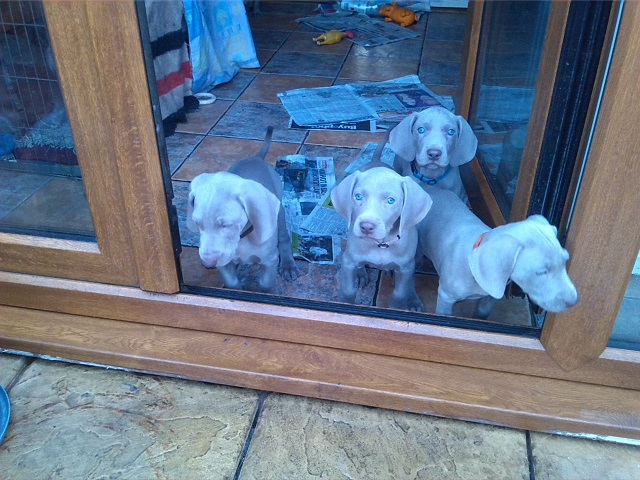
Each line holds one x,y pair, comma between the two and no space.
479,240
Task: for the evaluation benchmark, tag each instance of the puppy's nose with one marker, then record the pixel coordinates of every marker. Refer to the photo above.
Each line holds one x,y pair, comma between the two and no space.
367,227
571,302
209,262
434,153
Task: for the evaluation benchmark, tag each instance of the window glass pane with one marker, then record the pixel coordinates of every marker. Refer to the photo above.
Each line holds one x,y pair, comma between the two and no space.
41,189
269,54
512,41
626,331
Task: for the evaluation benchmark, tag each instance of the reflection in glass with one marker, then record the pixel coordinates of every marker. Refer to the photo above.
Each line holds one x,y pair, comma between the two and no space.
626,331
41,190
512,42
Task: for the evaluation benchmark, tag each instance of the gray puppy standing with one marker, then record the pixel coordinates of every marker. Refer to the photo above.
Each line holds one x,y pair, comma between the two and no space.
382,209
476,261
240,219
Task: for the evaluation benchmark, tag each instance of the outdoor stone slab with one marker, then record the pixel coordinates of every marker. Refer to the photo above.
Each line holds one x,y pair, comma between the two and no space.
10,366
299,438
71,421
568,458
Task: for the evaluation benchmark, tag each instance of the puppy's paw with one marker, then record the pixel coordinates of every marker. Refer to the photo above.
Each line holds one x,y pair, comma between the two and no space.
362,277
289,270
415,306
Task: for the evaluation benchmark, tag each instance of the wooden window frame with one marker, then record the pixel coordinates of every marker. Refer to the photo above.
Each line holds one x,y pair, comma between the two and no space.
107,99
567,381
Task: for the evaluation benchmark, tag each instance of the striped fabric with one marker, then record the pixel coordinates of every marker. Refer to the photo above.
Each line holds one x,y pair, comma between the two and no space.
170,50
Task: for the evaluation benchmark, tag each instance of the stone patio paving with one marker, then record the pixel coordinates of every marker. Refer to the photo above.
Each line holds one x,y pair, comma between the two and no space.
85,422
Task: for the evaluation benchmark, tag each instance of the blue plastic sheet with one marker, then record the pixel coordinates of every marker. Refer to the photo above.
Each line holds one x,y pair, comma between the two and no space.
220,41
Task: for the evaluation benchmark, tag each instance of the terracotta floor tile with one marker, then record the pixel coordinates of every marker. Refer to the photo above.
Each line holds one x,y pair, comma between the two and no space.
307,64
273,23
565,458
375,69
179,147
409,49
299,438
442,51
266,87
286,9
316,282
303,42
60,206
216,154
71,421
204,118
251,119
269,39
342,139
512,311
263,57
446,27
435,72
233,89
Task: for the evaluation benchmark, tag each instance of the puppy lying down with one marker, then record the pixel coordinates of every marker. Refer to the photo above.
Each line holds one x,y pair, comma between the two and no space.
240,219
475,261
382,209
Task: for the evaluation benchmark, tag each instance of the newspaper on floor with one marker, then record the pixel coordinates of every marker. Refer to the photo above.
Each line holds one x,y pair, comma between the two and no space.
367,31
323,219
388,101
306,181
364,126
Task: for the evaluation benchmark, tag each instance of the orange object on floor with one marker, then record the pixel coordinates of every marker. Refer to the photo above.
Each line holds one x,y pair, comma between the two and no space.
400,15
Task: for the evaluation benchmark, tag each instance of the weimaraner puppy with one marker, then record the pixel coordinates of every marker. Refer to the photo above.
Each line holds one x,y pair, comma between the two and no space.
240,218
430,146
475,261
382,209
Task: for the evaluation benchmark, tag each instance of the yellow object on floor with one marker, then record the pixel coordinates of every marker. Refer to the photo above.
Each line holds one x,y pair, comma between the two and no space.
331,37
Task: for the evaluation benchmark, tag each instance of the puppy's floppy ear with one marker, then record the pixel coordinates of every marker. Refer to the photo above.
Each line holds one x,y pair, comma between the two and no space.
401,138
262,208
542,221
190,223
466,144
415,205
342,195
493,261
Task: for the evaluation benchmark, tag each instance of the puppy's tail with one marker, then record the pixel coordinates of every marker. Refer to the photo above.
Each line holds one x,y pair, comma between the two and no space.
266,144
376,159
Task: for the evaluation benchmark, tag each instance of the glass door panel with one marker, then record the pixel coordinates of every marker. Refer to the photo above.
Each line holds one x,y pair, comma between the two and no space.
512,41
626,331
41,188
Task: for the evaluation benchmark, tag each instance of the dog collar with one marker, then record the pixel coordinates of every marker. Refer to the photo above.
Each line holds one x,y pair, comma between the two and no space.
389,243
479,240
247,231
428,180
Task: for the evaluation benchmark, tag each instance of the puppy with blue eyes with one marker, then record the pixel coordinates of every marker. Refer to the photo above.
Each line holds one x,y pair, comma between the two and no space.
430,146
382,209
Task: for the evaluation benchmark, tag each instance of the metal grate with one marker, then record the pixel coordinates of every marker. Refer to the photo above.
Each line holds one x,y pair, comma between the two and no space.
33,118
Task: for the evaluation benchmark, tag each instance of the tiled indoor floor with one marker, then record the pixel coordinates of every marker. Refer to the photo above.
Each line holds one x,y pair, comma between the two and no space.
233,127
85,422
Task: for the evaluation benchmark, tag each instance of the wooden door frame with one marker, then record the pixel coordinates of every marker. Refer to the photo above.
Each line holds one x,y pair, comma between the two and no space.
409,366
476,184
100,74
